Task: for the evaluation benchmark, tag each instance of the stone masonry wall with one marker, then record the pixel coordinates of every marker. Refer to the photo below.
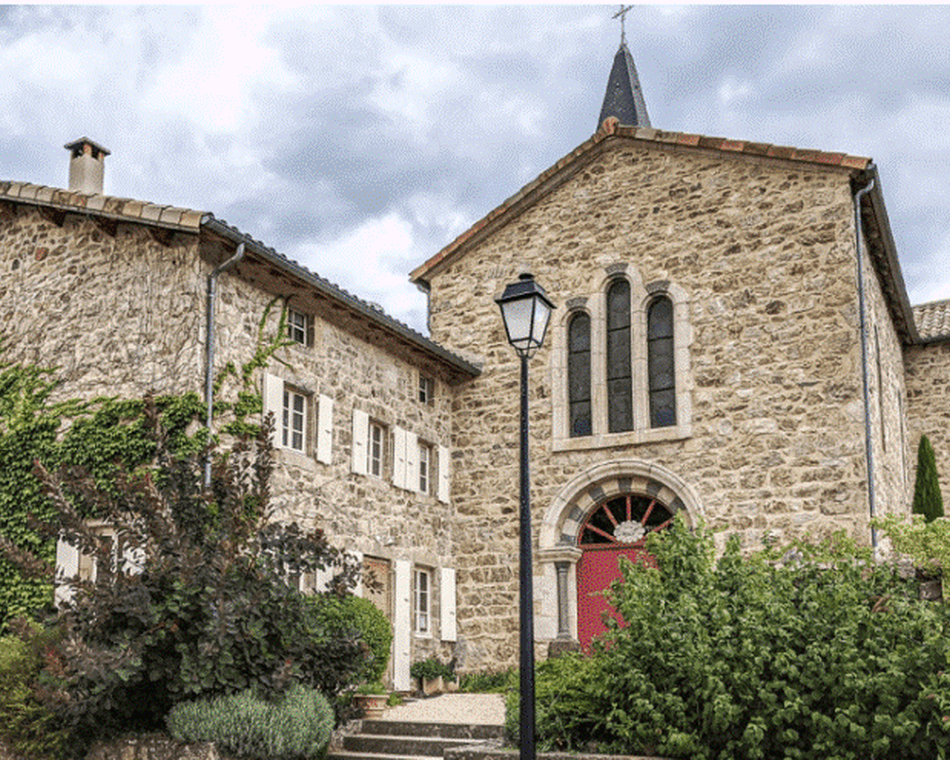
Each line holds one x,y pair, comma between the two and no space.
117,314
362,513
928,408
765,253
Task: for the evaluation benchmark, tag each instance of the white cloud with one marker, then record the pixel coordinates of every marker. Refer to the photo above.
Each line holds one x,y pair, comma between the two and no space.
362,262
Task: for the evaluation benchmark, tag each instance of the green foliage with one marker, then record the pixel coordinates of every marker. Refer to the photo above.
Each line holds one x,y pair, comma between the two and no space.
200,605
430,668
927,498
29,727
354,616
295,726
817,653
927,543
489,681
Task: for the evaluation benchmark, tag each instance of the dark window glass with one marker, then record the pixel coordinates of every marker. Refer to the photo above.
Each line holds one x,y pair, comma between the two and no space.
619,381
578,375
660,363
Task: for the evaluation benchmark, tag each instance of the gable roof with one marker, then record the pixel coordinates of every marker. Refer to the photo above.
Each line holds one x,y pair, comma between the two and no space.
933,321
880,241
349,309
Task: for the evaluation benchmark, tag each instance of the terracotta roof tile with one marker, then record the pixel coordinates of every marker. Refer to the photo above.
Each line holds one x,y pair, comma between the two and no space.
933,320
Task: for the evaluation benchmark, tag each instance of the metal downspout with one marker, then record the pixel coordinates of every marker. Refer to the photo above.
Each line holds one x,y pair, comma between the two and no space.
209,366
868,438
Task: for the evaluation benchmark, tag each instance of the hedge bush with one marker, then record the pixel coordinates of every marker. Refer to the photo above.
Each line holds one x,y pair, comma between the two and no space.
296,726
822,656
354,614
28,726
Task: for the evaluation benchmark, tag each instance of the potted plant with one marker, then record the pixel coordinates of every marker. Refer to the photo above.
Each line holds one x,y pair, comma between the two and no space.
432,675
371,698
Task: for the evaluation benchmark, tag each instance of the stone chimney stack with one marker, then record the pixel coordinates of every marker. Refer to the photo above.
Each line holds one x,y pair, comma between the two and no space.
86,162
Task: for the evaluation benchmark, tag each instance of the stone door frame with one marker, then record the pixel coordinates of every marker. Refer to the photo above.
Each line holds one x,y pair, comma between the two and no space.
558,550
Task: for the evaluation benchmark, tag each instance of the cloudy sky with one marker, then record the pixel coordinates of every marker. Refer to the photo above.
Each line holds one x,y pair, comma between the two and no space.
359,140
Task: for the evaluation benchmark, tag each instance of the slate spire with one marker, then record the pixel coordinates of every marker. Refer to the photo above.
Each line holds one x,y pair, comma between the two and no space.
624,98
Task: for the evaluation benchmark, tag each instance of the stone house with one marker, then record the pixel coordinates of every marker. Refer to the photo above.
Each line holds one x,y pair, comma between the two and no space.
733,342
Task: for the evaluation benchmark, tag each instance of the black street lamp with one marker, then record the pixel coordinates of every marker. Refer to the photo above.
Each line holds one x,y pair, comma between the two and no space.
526,310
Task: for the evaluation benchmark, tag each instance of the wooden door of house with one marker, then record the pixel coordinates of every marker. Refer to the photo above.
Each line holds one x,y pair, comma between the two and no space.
380,593
617,527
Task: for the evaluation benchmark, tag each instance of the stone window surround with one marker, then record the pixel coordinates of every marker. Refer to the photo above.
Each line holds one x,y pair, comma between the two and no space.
558,553
595,305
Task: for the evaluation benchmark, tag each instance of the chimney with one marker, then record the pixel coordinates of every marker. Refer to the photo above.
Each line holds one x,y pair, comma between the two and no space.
86,161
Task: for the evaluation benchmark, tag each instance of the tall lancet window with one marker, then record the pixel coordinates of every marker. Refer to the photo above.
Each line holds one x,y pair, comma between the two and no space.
619,381
660,363
578,374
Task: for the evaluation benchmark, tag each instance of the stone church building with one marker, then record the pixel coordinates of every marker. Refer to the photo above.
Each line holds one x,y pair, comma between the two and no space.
733,342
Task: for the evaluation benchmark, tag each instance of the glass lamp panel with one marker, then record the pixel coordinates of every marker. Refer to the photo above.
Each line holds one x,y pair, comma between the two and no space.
517,316
542,313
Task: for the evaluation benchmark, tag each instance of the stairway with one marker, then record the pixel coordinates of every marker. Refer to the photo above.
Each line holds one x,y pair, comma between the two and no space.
399,740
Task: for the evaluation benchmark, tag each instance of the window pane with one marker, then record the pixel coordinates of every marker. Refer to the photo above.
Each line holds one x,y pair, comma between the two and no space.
619,386
661,319
660,363
578,375
619,405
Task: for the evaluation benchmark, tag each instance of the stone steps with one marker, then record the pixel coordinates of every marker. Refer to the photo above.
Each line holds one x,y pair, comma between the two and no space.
394,740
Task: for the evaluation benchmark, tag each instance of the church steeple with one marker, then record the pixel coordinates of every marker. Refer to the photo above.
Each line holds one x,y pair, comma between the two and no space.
624,98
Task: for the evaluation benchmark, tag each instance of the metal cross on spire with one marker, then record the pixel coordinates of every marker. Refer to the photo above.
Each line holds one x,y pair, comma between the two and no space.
621,14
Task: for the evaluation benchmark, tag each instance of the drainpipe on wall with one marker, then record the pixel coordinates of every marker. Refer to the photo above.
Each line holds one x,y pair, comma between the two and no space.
868,439
209,367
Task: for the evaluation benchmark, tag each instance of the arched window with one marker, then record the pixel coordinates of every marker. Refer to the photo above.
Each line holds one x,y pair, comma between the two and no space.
619,380
660,363
578,374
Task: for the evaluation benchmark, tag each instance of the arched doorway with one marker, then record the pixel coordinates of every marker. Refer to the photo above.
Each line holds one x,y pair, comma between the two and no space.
615,527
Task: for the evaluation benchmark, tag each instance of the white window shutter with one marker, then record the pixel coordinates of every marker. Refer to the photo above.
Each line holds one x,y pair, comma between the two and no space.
274,402
447,621
325,430
399,457
412,462
402,624
445,474
67,567
360,437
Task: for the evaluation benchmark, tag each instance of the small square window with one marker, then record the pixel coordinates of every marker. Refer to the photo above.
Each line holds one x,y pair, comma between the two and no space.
425,467
422,584
299,327
294,421
426,388
376,450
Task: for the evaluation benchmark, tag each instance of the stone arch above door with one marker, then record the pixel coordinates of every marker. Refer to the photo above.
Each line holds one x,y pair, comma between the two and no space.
566,513
559,552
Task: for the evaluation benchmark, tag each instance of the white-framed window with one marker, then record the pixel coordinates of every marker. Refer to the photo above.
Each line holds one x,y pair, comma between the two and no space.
422,601
299,327
376,449
293,429
426,389
425,467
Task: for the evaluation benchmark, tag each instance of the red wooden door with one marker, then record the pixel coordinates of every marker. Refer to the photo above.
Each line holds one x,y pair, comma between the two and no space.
596,570
615,528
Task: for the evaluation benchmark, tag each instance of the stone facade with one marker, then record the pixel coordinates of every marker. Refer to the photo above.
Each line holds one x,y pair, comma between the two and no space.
928,407
758,257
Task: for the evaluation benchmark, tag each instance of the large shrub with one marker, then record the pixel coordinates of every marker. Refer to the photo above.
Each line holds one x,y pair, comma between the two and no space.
353,615
818,654
294,726
198,602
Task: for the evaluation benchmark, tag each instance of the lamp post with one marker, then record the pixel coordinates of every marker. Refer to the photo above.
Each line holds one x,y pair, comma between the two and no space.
525,310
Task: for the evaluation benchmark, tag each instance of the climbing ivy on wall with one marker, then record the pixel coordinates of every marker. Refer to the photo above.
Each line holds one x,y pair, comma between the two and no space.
101,436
